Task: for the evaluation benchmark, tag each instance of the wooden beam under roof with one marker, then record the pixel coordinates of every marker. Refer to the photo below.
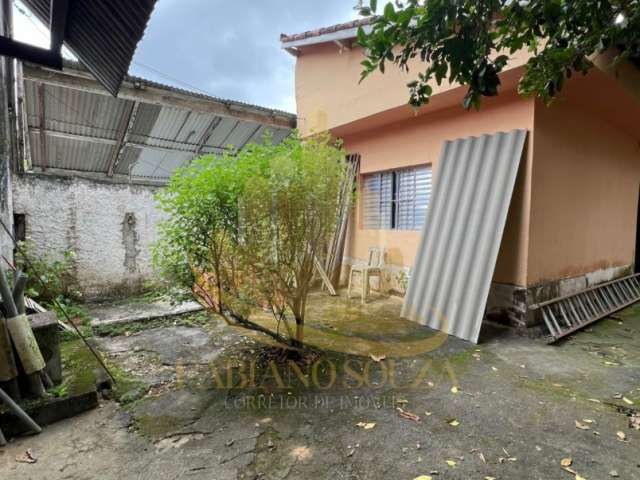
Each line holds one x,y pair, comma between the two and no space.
126,124
23,51
58,24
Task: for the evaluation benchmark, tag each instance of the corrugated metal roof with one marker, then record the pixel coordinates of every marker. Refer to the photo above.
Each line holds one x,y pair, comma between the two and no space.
102,34
459,246
82,131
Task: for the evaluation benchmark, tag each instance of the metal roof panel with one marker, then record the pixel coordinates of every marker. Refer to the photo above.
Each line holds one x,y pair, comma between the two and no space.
103,34
457,254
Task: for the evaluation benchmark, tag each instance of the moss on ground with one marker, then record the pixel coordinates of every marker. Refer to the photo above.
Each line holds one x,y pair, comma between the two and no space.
80,367
199,319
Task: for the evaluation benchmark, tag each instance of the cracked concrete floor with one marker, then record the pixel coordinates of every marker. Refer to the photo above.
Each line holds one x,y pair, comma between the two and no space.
512,413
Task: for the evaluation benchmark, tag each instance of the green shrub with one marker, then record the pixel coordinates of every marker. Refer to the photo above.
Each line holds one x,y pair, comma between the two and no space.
242,231
57,275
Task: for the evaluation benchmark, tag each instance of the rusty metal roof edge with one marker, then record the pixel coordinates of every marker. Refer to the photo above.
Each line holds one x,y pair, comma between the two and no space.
132,79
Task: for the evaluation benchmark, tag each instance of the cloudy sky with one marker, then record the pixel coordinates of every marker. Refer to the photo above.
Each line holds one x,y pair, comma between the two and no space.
229,49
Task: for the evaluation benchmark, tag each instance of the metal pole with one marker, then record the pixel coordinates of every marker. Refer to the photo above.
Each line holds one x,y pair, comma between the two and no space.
15,408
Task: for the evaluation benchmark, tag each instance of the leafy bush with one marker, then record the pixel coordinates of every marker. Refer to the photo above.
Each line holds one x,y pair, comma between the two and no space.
58,276
242,231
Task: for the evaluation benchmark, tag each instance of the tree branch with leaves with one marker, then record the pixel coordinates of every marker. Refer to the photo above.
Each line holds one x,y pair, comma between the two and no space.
470,42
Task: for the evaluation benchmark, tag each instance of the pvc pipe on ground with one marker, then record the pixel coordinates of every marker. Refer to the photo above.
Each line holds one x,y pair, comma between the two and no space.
21,333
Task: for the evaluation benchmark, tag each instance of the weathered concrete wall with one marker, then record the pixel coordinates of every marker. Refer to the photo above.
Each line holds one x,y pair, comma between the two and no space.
109,226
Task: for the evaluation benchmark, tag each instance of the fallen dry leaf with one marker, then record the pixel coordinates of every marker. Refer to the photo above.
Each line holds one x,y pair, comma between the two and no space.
453,422
451,463
627,401
408,415
301,453
454,389
582,426
588,420
489,478
614,473
621,436
578,477
494,369
377,358
428,414
566,462
26,457
366,426
423,477
594,400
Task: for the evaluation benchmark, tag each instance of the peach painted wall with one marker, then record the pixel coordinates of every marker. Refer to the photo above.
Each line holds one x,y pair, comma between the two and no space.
329,94
585,182
418,141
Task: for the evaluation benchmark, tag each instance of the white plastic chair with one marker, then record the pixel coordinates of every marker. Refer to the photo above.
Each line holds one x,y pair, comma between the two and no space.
373,268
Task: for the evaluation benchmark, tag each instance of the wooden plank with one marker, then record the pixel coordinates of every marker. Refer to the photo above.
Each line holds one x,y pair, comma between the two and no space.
323,275
23,51
58,23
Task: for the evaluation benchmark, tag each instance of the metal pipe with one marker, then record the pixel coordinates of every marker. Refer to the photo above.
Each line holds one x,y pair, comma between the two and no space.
20,283
7,296
15,408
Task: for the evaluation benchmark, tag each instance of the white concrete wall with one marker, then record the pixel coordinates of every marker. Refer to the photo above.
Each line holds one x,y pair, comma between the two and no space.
92,218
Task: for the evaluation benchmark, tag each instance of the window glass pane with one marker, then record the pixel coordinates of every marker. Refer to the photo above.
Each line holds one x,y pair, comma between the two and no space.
413,196
412,191
376,201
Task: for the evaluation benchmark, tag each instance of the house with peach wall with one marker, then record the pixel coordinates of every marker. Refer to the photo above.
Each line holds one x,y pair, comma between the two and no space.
573,218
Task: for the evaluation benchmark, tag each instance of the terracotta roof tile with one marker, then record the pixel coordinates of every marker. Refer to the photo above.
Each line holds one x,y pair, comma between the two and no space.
323,31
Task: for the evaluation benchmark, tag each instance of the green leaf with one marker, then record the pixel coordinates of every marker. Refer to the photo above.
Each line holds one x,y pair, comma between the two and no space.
389,12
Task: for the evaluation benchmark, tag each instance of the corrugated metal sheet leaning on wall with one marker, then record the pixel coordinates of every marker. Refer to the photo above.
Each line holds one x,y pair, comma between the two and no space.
461,237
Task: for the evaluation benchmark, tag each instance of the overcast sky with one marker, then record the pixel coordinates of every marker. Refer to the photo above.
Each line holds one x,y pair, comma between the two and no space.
229,49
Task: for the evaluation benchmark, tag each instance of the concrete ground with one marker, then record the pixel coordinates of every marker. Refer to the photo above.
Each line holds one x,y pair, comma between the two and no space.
385,399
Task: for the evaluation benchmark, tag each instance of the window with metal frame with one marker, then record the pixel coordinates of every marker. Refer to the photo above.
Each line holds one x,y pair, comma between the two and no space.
396,199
